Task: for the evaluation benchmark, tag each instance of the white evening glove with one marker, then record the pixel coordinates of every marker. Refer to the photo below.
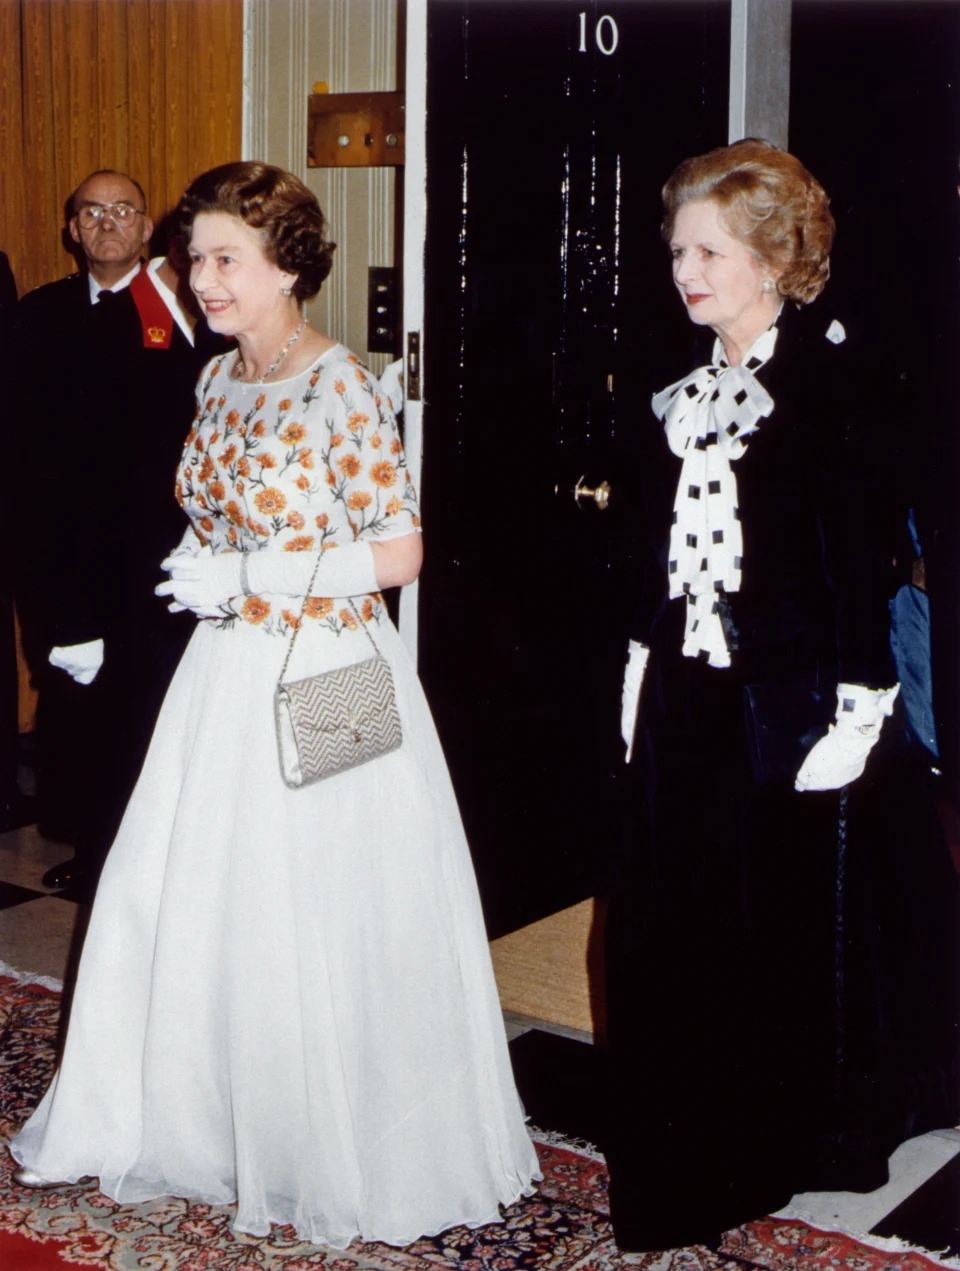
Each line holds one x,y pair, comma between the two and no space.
344,571
630,694
202,582
841,756
80,661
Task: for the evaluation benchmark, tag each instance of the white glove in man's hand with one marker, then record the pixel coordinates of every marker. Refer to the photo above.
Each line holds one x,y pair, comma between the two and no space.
203,582
630,694
841,756
80,661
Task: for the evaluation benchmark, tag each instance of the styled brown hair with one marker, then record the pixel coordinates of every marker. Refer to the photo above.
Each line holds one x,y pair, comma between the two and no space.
770,202
269,199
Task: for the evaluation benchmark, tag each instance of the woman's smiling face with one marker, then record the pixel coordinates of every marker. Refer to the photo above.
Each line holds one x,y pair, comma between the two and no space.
230,274
719,279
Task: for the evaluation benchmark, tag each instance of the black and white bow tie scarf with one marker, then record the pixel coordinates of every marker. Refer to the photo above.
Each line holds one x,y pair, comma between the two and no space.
708,418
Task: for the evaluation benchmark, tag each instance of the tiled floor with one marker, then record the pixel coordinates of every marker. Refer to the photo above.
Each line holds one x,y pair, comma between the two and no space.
557,1075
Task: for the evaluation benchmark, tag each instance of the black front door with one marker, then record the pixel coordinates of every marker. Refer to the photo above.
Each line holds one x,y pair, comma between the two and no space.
550,317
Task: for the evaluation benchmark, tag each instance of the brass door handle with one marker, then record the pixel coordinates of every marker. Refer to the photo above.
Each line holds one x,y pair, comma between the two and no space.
600,494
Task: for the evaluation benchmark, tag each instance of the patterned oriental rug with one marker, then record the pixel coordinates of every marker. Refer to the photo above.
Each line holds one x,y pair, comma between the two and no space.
564,1227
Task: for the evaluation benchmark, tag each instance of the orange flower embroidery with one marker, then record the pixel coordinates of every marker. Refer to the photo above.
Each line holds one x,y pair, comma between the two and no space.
234,512
285,404
396,446
348,620
201,500
243,466
207,524
361,378
258,429
336,440
339,386
216,490
179,493
302,543
261,400
356,419
292,434
303,483
233,418
240,487
207,468
349,465
232,535
266,461
270,501
366,610
331,479
384,474
415,521
256,528
359,500
295,520
215,370
376,441
190,436
214,437
255,609
318,607
227,456
323,521
394,506
290,618
306,457
221,401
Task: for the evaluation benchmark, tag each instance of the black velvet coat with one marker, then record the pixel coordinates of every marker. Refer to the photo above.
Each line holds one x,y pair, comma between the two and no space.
770,1018
102,421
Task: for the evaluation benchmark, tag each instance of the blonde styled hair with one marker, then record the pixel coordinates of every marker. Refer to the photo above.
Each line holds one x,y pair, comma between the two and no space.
770,202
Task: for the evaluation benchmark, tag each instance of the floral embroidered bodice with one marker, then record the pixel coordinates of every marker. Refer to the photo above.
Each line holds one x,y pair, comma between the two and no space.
309,463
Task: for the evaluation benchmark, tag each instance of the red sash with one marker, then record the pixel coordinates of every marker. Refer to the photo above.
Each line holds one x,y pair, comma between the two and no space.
155,317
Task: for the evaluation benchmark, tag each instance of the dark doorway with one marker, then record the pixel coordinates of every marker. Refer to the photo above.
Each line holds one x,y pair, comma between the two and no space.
549,314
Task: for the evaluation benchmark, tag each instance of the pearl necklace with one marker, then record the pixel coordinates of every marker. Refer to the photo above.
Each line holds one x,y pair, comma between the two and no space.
239,366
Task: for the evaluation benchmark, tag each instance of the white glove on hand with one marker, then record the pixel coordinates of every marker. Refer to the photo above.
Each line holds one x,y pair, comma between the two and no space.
202,582
630,694
80,661
841,756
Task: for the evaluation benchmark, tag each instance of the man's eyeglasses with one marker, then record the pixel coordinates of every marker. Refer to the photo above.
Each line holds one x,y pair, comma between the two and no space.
89,215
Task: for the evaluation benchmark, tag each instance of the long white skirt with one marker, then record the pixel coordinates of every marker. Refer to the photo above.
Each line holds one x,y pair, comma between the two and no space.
285,997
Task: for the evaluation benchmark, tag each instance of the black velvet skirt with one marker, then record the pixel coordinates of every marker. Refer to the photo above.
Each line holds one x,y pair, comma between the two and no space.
781,972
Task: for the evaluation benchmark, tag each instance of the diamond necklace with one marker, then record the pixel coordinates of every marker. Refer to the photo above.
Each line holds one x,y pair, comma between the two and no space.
240,366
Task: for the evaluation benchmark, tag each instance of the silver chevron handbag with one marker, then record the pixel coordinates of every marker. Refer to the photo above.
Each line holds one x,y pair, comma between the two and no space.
338,719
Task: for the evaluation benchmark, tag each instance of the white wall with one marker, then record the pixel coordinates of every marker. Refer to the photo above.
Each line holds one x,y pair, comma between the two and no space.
352,46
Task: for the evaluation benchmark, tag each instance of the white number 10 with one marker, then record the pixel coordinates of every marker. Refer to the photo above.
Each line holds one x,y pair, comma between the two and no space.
606,34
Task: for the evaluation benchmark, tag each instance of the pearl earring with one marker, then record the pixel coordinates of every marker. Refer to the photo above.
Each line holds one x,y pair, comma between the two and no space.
286,291
768,285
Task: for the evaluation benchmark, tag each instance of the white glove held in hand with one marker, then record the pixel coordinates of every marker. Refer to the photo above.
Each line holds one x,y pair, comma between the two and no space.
81,661
202,582
841,756
630,694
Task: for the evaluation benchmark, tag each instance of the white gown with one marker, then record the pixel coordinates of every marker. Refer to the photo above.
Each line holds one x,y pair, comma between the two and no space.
285,997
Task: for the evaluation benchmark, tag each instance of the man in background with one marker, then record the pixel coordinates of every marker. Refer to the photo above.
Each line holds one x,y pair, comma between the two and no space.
107,361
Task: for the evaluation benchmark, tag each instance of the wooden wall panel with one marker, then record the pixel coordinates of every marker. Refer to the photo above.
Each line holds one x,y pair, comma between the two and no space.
150,87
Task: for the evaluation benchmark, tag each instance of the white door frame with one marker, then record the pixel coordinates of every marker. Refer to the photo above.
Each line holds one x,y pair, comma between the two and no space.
414,232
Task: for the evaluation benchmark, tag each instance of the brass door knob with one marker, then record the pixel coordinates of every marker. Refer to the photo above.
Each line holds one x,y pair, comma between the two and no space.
600,494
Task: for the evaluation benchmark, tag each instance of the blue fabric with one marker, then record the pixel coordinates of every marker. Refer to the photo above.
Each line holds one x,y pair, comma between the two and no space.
910,645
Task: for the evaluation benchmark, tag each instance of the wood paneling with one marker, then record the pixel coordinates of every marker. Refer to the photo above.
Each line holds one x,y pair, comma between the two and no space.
149,87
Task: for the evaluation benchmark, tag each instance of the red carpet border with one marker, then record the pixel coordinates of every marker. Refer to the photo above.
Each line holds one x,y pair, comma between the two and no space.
564,1227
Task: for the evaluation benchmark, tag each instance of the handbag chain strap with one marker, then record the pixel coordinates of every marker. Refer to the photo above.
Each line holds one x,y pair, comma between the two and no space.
303,609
